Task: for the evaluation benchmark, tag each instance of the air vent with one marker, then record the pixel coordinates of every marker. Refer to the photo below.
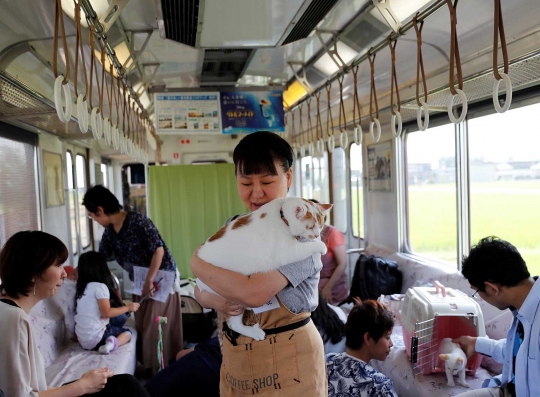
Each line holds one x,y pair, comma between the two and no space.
315,12
224,65
180,18
363,32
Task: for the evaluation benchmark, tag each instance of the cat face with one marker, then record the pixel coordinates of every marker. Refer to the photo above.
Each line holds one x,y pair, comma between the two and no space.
309,219
453,362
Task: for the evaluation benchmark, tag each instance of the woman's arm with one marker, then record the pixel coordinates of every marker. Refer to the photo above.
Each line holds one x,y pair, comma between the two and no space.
340,254
219,303
155,264
91,382
250,291
109,312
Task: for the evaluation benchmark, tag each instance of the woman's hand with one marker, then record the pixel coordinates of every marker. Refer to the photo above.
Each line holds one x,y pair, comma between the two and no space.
219,303
147,287
133,307
94,381
326,293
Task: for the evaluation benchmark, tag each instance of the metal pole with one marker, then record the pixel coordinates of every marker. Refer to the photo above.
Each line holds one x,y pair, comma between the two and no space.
383,44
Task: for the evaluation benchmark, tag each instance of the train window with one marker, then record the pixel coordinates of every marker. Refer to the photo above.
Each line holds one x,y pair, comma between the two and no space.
357,190
104,171
307,177
339,189
321,191
72,200
296,186
431,192
80,167
505,180
18,197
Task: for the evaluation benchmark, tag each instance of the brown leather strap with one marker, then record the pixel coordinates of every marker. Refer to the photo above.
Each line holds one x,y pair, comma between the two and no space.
301,125
103,82
394,84
329,120
110,92
455,60
92,66
342,126
59,20
310,126
356,100
79,51
319,129
293,129
125,125
419,61
373,90
499,30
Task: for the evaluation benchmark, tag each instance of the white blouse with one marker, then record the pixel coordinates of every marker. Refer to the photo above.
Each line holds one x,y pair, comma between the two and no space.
23,371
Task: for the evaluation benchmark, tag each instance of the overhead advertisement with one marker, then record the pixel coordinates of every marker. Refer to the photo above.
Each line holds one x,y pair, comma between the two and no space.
188,113
243,112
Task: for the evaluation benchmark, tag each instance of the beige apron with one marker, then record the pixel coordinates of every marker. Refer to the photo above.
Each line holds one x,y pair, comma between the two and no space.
289,363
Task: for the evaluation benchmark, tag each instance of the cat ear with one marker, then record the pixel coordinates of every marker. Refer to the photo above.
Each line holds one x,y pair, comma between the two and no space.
443,357
459,360
300,212
325,207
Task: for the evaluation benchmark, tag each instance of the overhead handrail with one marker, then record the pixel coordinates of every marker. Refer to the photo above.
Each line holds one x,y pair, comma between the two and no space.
82,105
319,128
310,129
396,114
343,138
358,133
61,82
499,30
331,140
455,62
374,121
96,121
422,103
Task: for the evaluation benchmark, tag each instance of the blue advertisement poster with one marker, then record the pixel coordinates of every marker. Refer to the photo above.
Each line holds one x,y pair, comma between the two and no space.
243,112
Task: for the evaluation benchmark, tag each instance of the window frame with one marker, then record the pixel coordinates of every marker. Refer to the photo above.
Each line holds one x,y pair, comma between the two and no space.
361,203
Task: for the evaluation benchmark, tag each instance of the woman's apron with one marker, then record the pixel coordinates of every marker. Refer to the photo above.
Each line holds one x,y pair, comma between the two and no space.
288,362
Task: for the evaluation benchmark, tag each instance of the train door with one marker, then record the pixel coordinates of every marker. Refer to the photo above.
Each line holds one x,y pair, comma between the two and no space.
77,184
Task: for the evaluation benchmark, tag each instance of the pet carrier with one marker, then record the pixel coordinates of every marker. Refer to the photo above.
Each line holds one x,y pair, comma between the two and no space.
429,315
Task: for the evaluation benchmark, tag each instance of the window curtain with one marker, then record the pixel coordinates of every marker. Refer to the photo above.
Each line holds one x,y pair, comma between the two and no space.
189,203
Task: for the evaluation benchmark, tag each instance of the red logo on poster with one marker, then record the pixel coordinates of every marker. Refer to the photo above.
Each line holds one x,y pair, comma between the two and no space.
176,155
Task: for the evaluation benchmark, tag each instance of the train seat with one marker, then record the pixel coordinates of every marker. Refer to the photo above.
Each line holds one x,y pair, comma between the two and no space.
53,325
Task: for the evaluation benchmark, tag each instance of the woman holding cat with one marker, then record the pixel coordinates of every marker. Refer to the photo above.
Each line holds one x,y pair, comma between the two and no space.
290,360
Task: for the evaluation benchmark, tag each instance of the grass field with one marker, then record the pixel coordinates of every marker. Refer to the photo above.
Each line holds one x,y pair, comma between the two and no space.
507,209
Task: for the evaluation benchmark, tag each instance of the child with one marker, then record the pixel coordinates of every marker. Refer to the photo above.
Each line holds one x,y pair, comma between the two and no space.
95,291
367,334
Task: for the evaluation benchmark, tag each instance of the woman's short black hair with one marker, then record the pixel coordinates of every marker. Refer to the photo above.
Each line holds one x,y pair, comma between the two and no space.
100,196
495,261
27,255
256,153
368,316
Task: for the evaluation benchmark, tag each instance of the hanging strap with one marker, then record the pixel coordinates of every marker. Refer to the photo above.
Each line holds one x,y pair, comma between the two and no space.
419,61
103,82
394,83
329,120
92,66
318,126
373,91
59,20
455,60
301,125
293,132
79,51
499,30
356,99
341,105
310,126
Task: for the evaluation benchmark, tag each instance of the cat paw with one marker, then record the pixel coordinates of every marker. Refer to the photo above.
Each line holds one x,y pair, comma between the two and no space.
255,332
451,384
464,384
321,247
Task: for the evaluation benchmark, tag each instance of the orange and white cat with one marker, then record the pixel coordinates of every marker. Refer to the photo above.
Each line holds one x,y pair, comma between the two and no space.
455,361
281,232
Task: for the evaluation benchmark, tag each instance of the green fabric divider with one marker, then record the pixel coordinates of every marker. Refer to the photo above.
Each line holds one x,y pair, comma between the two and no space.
189,203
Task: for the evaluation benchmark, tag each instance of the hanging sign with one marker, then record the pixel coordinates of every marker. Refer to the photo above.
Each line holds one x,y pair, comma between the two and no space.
188,113
243,112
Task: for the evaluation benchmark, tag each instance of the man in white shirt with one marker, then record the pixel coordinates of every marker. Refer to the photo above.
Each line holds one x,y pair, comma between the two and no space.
498,273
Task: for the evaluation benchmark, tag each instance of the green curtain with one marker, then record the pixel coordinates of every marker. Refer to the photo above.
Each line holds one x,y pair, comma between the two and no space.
189,203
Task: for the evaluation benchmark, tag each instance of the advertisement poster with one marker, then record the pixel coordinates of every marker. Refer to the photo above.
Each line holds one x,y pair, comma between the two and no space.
243,112
188,113
380,167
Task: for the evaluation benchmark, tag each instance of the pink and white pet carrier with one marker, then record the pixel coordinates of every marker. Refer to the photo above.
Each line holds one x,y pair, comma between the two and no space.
429,315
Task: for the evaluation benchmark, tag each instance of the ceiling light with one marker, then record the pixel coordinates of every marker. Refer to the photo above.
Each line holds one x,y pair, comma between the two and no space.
293,94
327,65
100,7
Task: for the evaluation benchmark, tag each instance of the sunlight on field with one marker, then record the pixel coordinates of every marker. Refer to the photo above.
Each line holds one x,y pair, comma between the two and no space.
507,209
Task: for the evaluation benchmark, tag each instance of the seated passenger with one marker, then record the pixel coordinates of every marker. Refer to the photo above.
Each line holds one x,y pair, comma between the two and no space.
367,332
31,270
333,281
330,322
100,313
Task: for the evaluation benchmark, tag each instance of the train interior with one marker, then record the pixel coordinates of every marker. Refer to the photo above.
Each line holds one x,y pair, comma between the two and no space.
396,109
